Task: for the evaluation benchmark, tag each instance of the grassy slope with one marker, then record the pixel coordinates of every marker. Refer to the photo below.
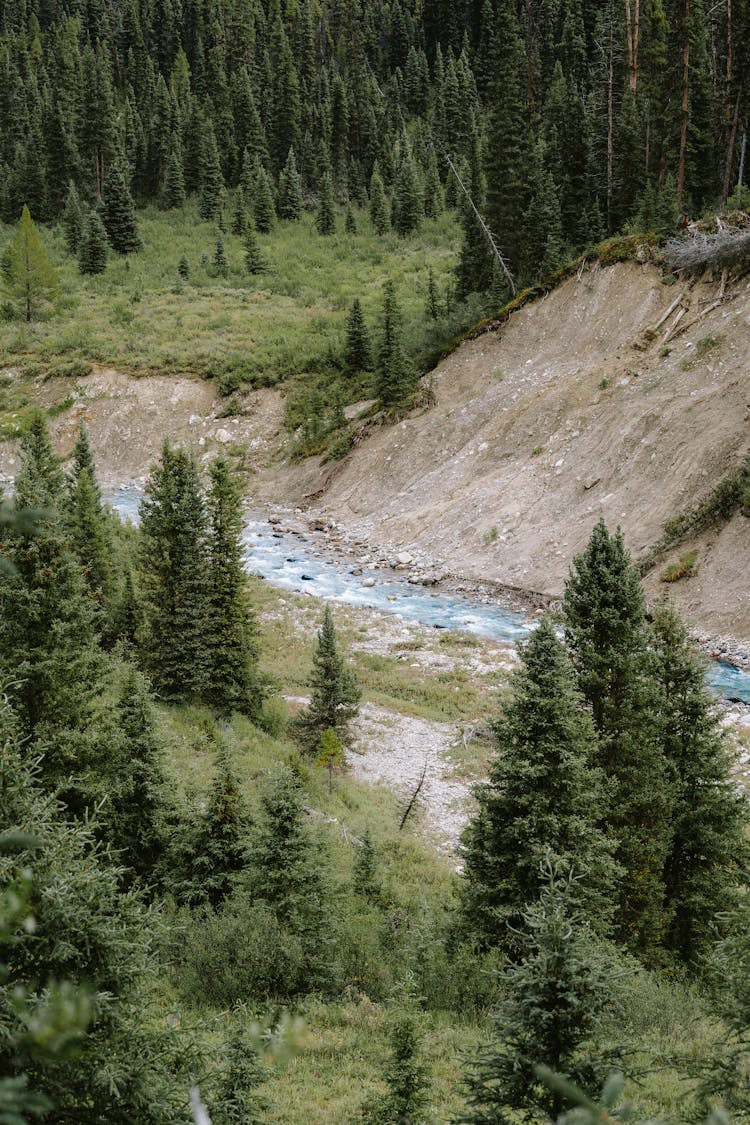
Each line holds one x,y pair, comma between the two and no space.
138,315
341,1051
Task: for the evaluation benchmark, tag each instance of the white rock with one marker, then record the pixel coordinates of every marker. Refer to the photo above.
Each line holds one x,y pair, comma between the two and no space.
404,559
223,436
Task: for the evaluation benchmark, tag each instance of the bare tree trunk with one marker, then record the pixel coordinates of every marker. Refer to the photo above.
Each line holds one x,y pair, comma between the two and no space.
685,102
730,118
633,29
610,129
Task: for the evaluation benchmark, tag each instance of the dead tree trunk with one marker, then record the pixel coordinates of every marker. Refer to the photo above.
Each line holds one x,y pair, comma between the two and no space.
685,102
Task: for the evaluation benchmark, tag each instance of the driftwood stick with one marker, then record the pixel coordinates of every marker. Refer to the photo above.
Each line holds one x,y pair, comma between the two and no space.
709,308
414,796
680,313
668,313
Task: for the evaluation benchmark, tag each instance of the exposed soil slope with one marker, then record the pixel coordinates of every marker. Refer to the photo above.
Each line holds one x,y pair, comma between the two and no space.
565,414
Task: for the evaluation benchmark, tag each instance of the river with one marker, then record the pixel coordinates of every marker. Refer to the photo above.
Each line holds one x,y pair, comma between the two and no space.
283,560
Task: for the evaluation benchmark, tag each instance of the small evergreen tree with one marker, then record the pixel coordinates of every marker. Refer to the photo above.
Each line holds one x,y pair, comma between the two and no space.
433,300
264,208
350,223
174,183
220,263
183,268
237,1101
335,693
72,220
89,535
357,346
216,852
325,216
330,754
394,380
29,279
380,212
288,874
406,1077
408,203
118,213
290,190
553,999
365,870
137,808
239,218
255,259
94,247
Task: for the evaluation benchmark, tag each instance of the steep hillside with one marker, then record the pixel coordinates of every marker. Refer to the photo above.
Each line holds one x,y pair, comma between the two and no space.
567,413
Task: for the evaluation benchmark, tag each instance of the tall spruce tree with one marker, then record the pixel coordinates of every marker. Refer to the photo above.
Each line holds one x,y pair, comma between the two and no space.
174,182
357,346
408,201
264,207
118,213
255,259
211,179
544,796
290,189
137,808
335,693
394,379
230,634
708,851
606,631
380,211
173,555
325,216
49,655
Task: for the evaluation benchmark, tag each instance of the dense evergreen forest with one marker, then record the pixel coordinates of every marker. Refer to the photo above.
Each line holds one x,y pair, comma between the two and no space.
564,120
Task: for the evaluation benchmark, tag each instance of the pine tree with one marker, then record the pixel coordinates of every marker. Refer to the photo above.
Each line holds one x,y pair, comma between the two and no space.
89,536
553,999
94,247
137,807
233,683
173,550
544,796
380,212
211,179
357,346
364,873
408,203
255,259
393,378
75,998
290,189
118,213
335,693
29,279
433,189
220,263
49,657
72,219
264,208
288,874
606,631
183,268
237,1101
217,852
174,182
239,218
406,1077
350,223
708,849
433,301
325,216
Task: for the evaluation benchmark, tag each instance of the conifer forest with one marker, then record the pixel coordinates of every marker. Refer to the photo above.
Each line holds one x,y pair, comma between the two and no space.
209,911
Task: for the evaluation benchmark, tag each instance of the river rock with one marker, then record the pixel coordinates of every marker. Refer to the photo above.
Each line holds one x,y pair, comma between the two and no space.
369,583
404,558
356,571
